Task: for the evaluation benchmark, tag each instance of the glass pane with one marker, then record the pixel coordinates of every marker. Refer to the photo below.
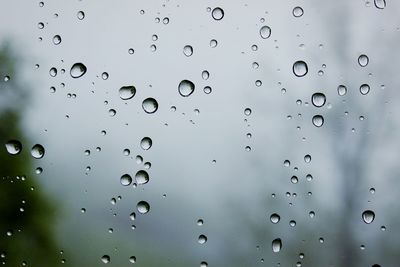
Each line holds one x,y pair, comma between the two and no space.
199,133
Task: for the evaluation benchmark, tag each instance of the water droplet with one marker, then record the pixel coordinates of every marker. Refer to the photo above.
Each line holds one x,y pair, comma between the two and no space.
57,39
275,218
298,12
80,15
292,223
318,120
286,163
105,259
294,179
112,112
132,259
368,216
265,32
53,72
143,207
311,214
186,88
127,92
126,180
150,105
146,143
213,43
300,68
165,20
188,50
142,177
364,89
372,190
276,245
247,112
37,151
203,264
13,147
202,239
205,75
318,99
104,75
342,90
307,158
363,60
380,4
78,70
200,222
217,13
207,90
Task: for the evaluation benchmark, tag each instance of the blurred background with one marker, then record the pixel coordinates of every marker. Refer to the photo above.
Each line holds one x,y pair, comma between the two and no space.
199,133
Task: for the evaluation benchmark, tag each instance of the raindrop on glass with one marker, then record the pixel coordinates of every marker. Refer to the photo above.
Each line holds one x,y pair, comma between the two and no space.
57,39
188,50
150,105
318,99
298,12
13,147
37,151
265,32
380,4
217,13
126,180
186,88
78,70
364,89
300,68
127,92
342,90
80,15
363,60
276,245
105,259
143,207
142,177
202,239
318,120
368,216
146,143
275,218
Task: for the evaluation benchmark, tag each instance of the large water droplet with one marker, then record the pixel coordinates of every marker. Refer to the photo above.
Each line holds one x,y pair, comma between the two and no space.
13,147
105,259
188,50
381,4
275,218
217,13
78,70
318,120
364,89
143,207
126,180
186,88
363,60
298,12
318,99
37,151
276,245
265,32
202,239
150,105
300,68
368,216
127,92
146,143
342,90
142,177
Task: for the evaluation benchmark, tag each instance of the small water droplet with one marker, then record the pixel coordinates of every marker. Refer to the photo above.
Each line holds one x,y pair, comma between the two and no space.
368,216
146,143
80,15
13,147
300,68
105,259
342,90
247,112
217,13
298,12
202,239
265,32
380,4
186,88
207,90
276,245
104,75
364,89
37,151
294,179
53,72
213,43
150,105
205,75
363,60
78,70
318,120
126,180
188,50
203,264
307,158
143,207
127,92
200,222
292,223
142,177
57,39
318,99
132,259
275,218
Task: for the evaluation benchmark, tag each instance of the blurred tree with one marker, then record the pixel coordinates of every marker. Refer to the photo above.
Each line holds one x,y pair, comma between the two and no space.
26,214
